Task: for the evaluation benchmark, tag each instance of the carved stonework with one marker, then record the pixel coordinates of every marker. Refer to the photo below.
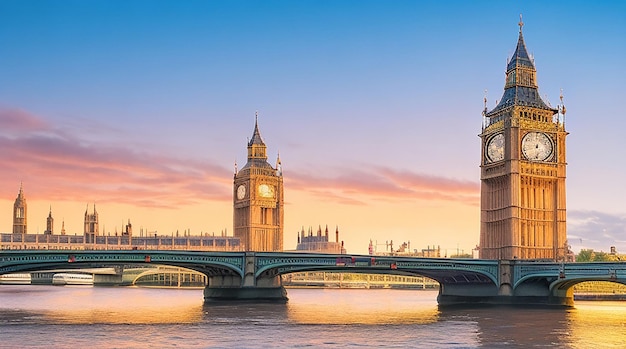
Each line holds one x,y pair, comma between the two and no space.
523,192
258,200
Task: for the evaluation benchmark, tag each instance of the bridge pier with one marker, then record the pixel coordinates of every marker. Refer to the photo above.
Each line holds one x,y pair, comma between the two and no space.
530,293
250,288
107,279
270,294
41,278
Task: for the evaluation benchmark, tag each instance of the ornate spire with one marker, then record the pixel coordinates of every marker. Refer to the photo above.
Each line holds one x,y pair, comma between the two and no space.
562,106
279,166
521,56
520,87
256,146
20,195
256,135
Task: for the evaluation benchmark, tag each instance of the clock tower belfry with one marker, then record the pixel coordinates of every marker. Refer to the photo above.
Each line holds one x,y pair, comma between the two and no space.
522,204
258,199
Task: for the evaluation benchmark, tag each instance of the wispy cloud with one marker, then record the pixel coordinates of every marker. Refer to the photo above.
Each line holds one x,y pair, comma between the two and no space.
16,120
354,186
596,230
59,166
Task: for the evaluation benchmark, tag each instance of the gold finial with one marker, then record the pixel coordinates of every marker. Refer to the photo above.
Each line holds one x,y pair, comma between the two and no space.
521,24
485,102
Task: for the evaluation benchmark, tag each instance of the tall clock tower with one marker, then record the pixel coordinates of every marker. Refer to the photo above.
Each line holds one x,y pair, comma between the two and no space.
523,169
258,199
19,213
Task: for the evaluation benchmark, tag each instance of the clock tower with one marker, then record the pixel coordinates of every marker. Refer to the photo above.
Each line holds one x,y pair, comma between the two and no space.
523,169
258,199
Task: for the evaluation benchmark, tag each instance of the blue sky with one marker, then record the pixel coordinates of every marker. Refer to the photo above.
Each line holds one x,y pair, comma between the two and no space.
374,106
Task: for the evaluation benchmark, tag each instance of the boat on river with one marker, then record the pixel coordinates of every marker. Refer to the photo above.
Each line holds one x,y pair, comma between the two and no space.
72,279
15,279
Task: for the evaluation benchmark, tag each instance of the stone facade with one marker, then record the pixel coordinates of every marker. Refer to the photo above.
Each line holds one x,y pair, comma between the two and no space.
91,225
523,164
319,243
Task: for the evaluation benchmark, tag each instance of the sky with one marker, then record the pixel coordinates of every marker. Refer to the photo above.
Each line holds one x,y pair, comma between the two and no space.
143,107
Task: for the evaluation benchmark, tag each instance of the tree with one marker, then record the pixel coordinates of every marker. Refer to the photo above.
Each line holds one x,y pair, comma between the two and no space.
585,256
461,255
591,256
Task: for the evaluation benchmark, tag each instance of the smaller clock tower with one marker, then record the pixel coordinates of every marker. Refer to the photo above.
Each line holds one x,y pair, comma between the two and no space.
258,199
19,213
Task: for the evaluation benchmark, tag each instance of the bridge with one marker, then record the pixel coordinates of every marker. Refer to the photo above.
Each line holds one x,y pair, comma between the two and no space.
256,276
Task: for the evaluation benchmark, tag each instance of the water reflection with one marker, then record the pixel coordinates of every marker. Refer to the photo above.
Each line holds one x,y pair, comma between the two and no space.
593,323
517,327
89,305
312,317
331,306
249,313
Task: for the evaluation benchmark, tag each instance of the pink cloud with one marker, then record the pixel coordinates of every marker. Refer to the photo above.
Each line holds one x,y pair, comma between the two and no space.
57,166
386,184
19,120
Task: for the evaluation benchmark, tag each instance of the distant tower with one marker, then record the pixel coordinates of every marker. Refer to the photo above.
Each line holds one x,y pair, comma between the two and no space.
523,169
91,225
128,229
258,199
19,213
49,223
63,227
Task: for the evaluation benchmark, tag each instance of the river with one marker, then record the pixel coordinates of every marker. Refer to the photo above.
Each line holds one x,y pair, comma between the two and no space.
133,317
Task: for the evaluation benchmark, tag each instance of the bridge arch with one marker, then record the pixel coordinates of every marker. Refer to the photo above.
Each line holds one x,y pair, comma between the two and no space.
439,269
212,265
562,285
453,275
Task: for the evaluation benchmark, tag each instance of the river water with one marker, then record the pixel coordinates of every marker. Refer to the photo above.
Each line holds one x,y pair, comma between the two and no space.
132,317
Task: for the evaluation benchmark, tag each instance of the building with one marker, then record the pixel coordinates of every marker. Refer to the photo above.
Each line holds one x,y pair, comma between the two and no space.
93,240
403,250
319,242
523,169
258,199
49,223
20,225
128,229
91,225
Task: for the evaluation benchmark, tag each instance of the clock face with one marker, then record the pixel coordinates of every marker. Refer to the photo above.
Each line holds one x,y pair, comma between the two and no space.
537,146
241,192
266,191
495,148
